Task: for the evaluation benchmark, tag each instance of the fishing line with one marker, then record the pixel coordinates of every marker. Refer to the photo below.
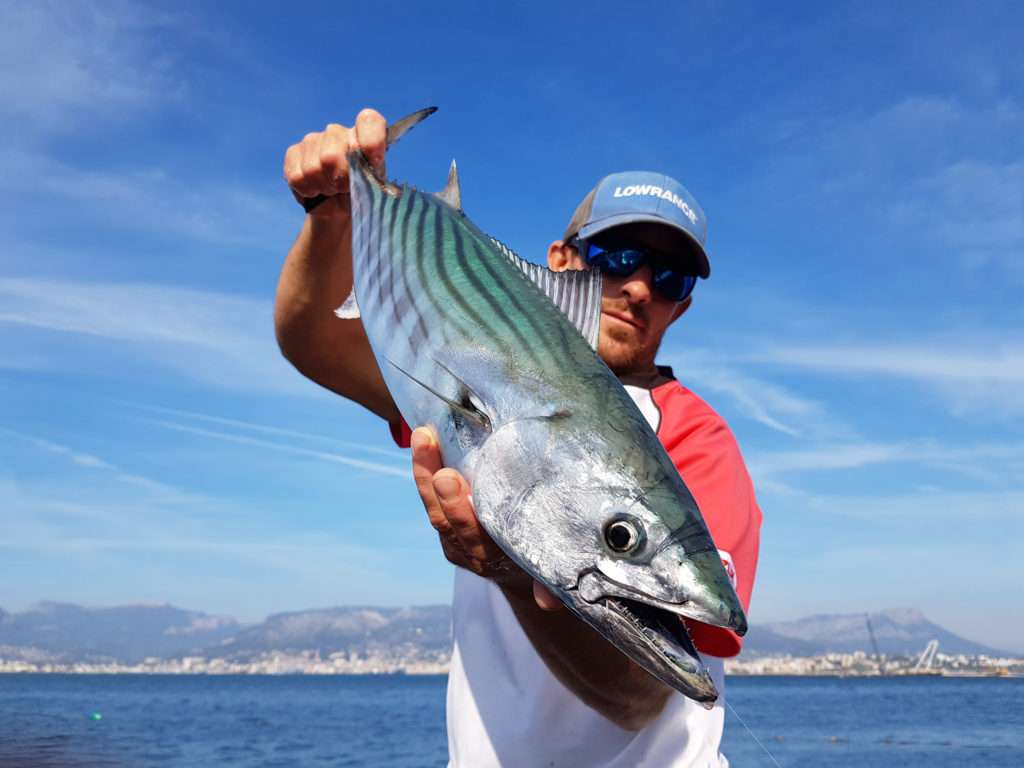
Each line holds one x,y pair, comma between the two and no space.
762,746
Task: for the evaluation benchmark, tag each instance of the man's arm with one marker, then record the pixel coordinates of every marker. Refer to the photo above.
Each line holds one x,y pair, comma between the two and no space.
583,661
317,273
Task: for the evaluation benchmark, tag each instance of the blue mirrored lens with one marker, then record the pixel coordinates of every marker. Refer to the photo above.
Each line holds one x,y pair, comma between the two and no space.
624,262
671,284
619,263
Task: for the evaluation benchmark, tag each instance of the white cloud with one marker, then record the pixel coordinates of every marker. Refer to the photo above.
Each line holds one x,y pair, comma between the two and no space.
926,173
79,67
152,198
972,208
76,457
767,403
932,362
109,535
994,463
915,507
156,491
972,376
851,456
212,338
60,61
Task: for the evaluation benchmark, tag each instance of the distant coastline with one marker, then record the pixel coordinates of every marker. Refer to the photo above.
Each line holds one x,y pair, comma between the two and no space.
856,664
62,638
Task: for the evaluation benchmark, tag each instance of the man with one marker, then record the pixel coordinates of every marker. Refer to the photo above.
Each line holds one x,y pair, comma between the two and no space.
531,684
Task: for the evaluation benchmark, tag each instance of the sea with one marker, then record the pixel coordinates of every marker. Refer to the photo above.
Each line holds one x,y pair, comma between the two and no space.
121,721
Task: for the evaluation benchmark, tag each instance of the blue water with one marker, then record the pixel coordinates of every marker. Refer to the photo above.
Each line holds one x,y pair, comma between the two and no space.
50,721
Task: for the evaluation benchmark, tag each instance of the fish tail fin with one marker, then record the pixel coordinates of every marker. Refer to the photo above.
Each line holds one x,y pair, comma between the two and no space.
396,130
399,128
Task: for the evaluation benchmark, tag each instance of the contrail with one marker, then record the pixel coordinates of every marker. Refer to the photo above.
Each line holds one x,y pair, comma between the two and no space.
371,466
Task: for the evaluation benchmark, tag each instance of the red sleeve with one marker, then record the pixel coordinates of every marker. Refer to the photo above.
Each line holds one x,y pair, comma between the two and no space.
400,433
708,459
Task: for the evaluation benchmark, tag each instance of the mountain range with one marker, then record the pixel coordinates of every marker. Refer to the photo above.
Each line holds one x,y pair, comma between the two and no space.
898,632
65,633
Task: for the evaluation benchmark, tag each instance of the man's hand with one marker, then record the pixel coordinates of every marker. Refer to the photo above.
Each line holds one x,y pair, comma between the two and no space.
318,165
317,274
446,496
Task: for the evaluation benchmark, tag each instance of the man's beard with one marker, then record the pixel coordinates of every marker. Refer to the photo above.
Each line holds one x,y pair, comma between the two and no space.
620,350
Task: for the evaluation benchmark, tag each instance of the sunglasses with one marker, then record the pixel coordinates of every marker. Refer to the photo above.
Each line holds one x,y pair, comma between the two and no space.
667,276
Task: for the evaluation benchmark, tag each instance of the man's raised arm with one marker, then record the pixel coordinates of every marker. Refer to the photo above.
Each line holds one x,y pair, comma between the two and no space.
317,273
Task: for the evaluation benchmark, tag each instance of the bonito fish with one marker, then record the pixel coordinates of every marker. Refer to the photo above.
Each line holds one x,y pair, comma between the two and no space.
498,355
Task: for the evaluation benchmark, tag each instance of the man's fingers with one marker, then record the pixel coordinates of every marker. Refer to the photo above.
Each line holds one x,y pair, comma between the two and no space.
446,497
318,165
544,599
312,175
295,169
426,461
333,163
371,132
293,165
454,496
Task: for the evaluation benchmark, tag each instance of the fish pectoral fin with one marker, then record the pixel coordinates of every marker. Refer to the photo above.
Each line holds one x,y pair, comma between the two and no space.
348,310
465,407
452,194
577,292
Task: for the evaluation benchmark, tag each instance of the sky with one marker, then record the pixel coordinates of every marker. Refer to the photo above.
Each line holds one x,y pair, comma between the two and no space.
862,168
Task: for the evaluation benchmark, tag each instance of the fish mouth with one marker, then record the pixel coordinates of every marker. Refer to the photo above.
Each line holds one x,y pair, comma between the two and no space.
657,640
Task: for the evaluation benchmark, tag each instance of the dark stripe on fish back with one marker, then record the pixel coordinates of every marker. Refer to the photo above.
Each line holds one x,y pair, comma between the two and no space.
511,283
488,295
560,336
437,221
395,271
419,240
401,248
383,269
561,348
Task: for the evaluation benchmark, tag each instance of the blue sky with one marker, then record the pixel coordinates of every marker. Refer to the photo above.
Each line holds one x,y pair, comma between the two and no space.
862,169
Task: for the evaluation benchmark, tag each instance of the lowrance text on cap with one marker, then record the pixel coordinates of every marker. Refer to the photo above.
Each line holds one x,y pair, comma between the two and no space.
643,196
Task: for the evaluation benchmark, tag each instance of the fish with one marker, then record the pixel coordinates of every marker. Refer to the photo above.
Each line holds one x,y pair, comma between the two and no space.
498,356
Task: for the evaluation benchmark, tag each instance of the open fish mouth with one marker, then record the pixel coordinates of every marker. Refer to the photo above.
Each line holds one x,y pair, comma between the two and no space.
664,642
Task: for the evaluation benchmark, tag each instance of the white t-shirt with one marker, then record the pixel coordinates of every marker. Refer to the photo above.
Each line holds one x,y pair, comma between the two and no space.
505,708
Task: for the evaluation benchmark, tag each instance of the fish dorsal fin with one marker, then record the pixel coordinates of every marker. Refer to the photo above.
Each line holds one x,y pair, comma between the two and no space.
577,292
451,193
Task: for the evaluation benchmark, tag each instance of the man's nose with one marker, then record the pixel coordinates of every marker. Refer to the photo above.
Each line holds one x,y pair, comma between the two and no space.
636,288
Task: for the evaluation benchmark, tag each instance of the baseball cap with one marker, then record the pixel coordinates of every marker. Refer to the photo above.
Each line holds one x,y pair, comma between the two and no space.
645,197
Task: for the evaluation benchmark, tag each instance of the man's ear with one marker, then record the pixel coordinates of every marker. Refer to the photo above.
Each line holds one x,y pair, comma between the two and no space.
681,308
562,256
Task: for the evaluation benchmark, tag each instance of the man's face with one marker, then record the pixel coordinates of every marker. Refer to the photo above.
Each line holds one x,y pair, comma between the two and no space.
634,317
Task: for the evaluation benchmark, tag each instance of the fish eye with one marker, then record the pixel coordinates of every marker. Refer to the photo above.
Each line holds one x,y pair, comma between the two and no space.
623,535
